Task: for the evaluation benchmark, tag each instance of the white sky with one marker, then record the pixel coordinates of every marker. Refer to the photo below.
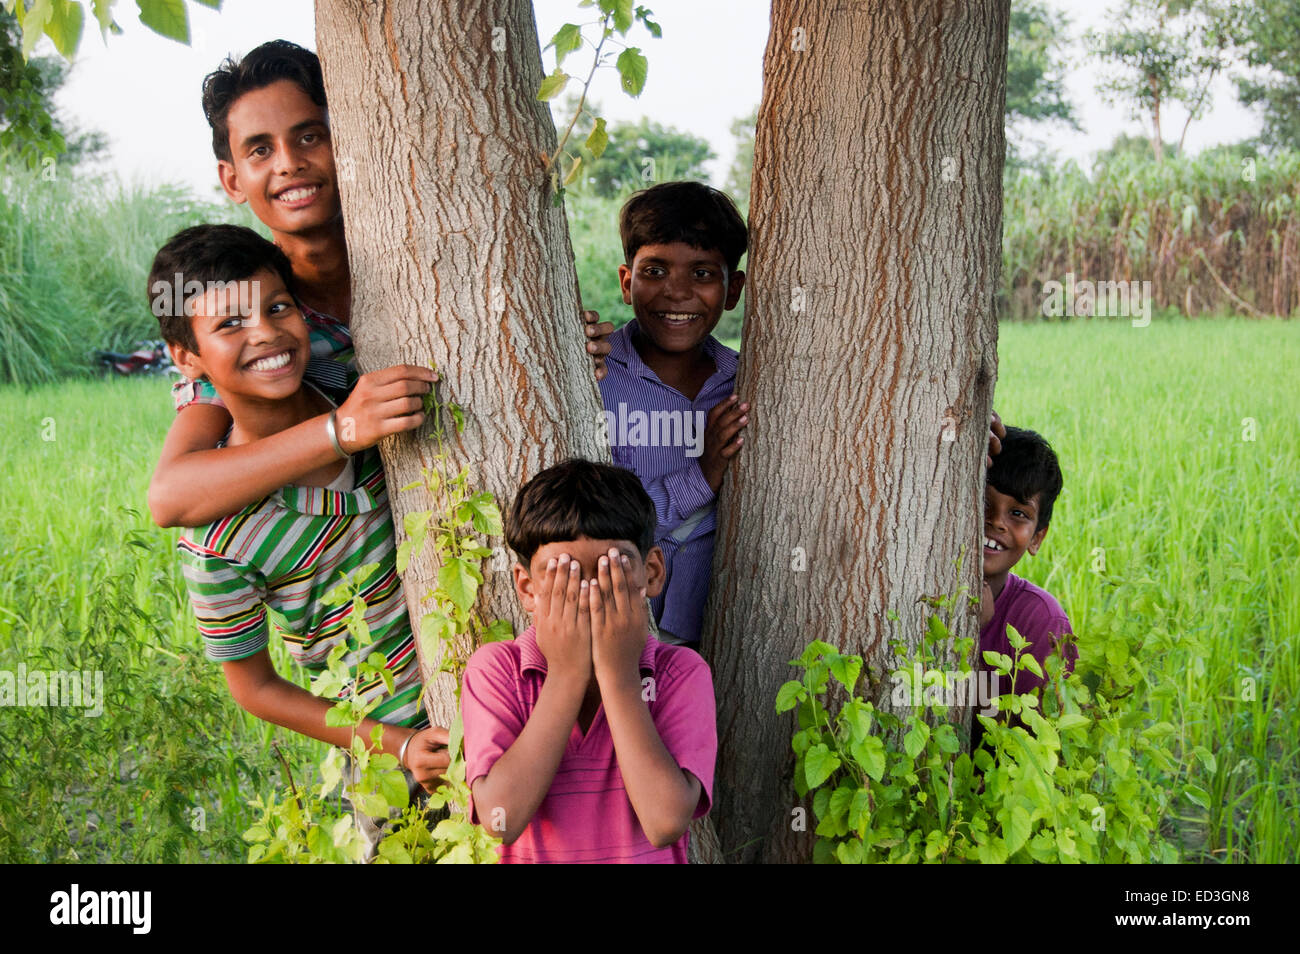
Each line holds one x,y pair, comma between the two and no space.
143,90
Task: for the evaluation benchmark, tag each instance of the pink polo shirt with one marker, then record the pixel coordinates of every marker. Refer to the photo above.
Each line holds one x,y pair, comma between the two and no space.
586,816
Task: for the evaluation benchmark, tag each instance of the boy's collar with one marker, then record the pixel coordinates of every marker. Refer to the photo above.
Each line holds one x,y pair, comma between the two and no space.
530,654
624,352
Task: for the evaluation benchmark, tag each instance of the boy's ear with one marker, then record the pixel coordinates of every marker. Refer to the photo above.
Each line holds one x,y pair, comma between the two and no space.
1036,541
524,587
655,574
625,283
186,361
230,181
735,286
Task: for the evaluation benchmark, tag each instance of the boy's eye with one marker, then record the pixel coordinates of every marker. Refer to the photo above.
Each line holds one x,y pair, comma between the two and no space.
704,274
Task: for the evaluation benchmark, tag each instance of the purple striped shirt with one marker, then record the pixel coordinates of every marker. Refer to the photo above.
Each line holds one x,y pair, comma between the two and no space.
658,434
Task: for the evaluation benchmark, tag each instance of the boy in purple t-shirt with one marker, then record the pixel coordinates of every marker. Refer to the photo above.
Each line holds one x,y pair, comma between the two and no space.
1023,483
587,739
670,410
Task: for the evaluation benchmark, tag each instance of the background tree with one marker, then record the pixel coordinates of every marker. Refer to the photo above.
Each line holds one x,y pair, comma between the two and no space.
1270,42
1165,51
742,165
30,126
1035,87
642,153
870,353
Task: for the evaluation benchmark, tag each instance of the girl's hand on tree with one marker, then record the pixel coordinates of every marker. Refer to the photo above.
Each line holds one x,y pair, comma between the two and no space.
563,623
618,621
383,402
598,345
427,757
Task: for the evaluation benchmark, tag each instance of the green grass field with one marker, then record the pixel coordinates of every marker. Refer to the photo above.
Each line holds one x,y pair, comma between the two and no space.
1181,449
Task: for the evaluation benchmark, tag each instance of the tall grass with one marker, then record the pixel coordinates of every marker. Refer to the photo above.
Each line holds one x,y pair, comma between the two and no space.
74,255
1214,234
1180,447
87,583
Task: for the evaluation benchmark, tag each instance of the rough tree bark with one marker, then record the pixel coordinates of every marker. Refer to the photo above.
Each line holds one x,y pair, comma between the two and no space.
869,354
458,255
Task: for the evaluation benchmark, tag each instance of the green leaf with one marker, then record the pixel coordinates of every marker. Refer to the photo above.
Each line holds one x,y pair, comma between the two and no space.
38,15
64,27
850,852
870,754
598,139
363,573
644,15
1197,795
1016,826
632,68
166,17
1206,758
846,669
499,631
553,85
103,10
403,556
819,763
623,18
1026,661
789,695
567,39
916,738
572,175
1015,639
946,737
860,809
1071,720
392,786
459,579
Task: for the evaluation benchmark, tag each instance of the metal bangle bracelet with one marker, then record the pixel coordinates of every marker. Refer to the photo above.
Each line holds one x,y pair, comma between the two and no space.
332,431
401,753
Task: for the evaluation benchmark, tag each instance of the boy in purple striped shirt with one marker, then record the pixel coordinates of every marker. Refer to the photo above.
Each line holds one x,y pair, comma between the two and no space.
670,411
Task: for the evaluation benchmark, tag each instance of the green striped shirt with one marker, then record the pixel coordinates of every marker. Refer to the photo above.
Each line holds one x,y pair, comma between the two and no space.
286,552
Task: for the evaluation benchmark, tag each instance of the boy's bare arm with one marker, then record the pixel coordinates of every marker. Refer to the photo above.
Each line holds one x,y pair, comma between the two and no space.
663,795
260,690
521,777
196,482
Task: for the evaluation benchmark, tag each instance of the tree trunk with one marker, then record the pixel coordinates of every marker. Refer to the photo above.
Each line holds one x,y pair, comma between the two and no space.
870,352
457,254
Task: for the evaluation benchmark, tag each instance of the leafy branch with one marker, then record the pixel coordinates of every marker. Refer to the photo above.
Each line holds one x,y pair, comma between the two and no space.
616,17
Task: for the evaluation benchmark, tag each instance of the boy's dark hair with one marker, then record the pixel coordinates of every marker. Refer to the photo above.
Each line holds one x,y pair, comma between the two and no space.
1026,466
270,62
580,498
204,254
689,212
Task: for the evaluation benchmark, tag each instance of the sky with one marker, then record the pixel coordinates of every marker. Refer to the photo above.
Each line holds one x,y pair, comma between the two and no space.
142,90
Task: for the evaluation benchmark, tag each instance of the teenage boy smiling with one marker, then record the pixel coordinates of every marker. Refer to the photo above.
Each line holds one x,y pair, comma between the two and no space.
271,138
682,243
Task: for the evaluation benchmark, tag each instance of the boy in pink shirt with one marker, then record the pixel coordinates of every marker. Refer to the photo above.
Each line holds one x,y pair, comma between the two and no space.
586,739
